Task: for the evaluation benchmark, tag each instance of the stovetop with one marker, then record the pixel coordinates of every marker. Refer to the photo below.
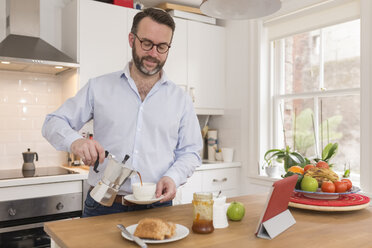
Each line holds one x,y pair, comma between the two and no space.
38,172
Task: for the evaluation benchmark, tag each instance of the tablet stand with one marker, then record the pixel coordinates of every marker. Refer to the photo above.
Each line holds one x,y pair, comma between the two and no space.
276,225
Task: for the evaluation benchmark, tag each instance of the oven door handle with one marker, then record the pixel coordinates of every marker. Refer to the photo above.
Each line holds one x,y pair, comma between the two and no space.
27,226
21,227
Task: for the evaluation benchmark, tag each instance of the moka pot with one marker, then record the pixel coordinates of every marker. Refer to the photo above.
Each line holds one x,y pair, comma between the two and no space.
28,160
115,175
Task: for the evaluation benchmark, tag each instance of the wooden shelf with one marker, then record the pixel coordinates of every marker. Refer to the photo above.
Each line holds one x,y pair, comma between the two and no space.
171,6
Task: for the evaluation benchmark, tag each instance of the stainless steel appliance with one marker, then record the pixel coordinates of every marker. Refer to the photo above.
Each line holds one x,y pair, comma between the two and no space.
116,173
21,221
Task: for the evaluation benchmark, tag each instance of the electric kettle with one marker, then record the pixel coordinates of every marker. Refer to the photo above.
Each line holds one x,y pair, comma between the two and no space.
115,175
28,160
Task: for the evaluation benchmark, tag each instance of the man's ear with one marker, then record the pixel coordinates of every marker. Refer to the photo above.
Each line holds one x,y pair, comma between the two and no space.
131,39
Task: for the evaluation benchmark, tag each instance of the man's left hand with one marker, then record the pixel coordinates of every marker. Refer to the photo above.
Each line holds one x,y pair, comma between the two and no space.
166,187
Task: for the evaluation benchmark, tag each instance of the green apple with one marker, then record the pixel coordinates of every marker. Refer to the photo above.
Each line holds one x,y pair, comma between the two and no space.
236,211
309,184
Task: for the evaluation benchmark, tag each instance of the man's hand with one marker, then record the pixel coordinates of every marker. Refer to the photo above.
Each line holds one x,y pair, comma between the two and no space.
88,150
166,187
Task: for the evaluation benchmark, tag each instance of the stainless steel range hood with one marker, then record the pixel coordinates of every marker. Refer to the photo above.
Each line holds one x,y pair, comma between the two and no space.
24,50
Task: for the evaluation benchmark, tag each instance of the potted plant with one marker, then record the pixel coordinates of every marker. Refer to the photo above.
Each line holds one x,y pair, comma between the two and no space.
271,168
286,156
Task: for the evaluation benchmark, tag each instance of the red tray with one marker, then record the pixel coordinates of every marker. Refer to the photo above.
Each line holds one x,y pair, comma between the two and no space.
343,203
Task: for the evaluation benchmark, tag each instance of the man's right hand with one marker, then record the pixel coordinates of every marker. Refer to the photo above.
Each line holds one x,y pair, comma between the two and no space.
88,150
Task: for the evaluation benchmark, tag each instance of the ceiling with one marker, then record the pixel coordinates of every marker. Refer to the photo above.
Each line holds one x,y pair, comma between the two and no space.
192,3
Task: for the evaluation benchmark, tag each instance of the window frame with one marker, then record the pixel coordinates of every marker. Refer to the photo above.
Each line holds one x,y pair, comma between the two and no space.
262,74
277,76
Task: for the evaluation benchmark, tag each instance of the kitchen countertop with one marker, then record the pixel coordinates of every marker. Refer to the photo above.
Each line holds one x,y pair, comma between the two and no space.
312,228
80,175
211,165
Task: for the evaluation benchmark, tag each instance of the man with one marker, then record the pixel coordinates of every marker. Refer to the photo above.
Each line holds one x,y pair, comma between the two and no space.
138,112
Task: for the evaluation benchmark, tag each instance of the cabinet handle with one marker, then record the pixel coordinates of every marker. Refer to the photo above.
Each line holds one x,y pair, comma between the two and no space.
220,180
192,93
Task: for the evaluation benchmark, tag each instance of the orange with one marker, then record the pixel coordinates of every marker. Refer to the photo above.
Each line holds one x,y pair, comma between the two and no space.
296,169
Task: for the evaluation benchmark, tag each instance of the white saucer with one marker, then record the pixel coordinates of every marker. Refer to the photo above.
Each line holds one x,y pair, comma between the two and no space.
132,199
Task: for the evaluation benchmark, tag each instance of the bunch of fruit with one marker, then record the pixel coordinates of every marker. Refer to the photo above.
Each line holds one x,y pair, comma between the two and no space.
312,177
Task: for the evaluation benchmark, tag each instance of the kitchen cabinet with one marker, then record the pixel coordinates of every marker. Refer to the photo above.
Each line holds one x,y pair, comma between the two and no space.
206,65
176,65
101,39
213,180
196,60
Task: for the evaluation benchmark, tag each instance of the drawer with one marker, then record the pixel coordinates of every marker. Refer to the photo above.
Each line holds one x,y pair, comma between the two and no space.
40,190
223,179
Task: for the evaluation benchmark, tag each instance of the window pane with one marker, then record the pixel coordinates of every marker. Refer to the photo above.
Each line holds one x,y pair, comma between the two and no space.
301,67
298,115
342,55
341,124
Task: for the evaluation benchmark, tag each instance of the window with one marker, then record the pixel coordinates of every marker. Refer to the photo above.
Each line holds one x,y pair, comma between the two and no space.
316,88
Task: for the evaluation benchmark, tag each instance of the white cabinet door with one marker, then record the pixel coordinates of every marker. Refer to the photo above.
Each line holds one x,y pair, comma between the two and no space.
103,39
206,65
131,14
176,65
226,180
186,191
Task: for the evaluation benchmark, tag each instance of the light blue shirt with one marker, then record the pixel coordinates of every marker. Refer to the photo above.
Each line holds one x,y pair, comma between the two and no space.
161,134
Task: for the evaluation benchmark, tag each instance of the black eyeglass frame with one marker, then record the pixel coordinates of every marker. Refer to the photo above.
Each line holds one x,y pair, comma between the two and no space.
152,45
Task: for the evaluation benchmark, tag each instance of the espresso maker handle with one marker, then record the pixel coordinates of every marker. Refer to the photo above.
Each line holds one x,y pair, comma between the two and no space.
97,162
37,157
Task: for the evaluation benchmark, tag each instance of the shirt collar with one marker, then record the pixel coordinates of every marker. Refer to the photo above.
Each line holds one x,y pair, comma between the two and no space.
163,78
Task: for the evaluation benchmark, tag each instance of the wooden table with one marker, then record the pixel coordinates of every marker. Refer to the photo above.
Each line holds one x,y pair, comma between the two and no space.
312,229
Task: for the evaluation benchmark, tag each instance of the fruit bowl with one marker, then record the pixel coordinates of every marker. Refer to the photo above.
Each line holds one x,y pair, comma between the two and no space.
327,196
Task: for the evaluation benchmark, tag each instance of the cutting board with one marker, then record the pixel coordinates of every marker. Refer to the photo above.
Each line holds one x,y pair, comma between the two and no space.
171,6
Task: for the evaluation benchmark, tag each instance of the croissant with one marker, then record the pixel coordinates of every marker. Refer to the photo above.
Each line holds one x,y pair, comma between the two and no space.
154,228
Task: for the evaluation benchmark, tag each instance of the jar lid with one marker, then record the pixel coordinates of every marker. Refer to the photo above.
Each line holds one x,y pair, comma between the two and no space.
203,196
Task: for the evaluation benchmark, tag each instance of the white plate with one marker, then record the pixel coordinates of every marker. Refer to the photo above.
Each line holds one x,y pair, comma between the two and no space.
180,233
132,199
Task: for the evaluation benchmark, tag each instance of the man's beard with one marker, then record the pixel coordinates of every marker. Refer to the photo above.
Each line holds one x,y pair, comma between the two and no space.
140,66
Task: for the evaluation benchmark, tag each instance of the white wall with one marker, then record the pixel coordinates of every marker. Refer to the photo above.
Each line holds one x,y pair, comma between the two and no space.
238,128
25,99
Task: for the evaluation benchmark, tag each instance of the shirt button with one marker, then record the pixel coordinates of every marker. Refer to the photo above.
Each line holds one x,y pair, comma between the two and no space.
138,129
136,151
141,108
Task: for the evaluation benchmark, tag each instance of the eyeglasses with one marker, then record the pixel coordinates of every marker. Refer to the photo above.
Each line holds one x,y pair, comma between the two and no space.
147,45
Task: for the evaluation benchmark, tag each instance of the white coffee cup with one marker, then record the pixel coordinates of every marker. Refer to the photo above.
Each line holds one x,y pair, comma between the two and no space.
219,212
227,154
144,192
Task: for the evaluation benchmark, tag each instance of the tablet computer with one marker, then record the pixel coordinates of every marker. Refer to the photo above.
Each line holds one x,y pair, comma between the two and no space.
276,214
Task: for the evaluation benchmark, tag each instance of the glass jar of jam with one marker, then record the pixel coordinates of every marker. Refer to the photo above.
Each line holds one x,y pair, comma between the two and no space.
203,213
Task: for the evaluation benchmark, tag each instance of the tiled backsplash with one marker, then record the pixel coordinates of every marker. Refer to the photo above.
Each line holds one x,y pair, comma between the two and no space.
25,99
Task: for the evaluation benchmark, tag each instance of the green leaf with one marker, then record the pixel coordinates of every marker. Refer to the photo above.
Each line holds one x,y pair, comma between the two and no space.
325,151
275,151
276,154
332,152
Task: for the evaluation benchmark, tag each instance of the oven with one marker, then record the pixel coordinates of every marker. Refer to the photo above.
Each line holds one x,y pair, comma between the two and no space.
25,208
